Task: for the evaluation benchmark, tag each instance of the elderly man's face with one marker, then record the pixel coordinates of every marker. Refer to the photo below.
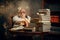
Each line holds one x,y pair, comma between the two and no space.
22,12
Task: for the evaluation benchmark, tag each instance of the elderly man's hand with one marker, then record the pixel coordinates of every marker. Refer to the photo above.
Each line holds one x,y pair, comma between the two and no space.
20,23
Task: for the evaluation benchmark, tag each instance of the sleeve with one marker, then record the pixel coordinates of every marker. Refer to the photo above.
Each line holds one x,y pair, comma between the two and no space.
15,19
28,18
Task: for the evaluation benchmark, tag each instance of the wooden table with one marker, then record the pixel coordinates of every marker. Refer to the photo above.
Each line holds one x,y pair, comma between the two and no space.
22,33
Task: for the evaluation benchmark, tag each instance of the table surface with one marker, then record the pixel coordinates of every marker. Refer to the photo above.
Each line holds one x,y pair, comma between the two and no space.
34,33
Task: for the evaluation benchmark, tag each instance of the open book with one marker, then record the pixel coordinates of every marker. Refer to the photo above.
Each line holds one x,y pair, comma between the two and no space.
17,28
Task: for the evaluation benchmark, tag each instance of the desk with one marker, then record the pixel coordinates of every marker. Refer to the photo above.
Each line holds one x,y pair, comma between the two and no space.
34,33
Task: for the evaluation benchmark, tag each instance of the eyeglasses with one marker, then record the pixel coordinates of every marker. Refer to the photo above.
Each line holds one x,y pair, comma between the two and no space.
23,12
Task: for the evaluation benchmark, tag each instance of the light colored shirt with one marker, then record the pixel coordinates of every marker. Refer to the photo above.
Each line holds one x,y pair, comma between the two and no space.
16,18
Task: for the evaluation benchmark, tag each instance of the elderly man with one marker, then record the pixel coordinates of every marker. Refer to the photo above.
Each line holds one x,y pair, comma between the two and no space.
21,18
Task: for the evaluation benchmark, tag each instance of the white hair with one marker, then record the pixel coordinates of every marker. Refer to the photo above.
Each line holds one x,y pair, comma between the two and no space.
19,8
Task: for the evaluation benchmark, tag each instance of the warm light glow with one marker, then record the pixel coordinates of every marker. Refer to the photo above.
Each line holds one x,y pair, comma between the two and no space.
55,19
